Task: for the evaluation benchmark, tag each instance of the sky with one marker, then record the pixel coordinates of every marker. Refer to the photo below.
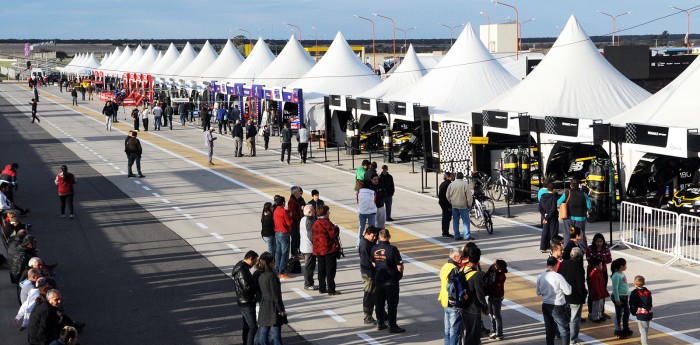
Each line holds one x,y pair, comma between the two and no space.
182,19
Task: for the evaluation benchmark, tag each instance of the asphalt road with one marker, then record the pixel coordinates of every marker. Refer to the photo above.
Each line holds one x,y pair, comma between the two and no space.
129,277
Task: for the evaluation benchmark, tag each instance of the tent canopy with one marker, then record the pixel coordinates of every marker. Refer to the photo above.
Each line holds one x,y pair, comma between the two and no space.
257,61
229,59
165,62
129,65
187,55
204,59
291,63
146,61
115,68
407,73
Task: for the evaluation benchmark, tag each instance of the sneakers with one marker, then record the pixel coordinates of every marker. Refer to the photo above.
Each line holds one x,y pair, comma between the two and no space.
370,321
322,291
381,326
284,276
71,216
312,288
495,336
471,238
334,293
459,239
130,175
63,216
396,329
446,236
142,175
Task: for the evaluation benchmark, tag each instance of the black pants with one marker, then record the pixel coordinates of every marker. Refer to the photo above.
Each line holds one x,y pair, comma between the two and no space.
135,157
368,297
386,293
309,268
267,141
286,147
548,231
34,117
145,125
303,147
295,238
446,218
66,198
136,124
471,328
327,265
222,124
250,325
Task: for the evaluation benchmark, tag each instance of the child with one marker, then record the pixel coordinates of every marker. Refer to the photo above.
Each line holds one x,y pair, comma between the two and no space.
597,289
495,282
620,296
640,306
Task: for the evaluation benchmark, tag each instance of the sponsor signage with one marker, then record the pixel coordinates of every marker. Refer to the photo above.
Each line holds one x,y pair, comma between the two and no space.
479,140
367,106
568,129
337,102
180,99
672,141
501,122
402,110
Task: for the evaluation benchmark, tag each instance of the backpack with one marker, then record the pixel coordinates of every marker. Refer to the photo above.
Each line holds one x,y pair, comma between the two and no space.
489,281
293,266
457,293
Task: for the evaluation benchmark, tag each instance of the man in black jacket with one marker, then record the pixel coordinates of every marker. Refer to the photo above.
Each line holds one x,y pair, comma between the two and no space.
45,320
369,239
550,217
237,134
246,289
471,317
572,270
445,204
388,182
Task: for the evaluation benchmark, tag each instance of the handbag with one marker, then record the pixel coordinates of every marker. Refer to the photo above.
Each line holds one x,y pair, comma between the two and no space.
564,207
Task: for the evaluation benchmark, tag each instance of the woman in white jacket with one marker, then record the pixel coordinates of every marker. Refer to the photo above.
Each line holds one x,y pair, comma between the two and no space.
366,208
25,310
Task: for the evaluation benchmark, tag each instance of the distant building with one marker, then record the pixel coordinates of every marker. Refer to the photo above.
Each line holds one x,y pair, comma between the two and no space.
499,38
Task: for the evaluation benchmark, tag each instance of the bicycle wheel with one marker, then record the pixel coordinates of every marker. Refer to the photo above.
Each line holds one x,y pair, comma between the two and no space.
474,216
488,223
495,191
489,205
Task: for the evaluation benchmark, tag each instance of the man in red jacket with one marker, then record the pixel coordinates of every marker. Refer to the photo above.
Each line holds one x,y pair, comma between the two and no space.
65,181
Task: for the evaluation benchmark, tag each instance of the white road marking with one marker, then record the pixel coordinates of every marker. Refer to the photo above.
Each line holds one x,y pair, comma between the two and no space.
177,209
233,246
217,236
303,294
137,181
146,188
188,216
109,163
156,195
117,168
368,339
333,315
165,201
202,226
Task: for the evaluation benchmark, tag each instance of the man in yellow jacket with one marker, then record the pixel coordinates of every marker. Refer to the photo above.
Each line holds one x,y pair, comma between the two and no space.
453,319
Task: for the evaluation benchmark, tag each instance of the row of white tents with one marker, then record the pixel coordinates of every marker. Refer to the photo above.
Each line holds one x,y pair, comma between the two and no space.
573,80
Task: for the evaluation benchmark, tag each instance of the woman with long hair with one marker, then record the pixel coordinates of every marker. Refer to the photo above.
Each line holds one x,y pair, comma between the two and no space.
272,312
599,250
326,248
268,227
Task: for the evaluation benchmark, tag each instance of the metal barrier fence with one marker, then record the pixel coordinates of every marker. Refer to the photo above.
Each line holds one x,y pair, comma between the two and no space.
661,231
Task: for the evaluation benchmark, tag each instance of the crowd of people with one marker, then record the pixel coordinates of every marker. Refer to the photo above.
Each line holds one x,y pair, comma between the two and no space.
40,312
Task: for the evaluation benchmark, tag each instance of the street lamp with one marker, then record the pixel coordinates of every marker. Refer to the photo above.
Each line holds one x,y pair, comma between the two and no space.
405,47
688,12
517,20
294,26
250,36
451,28
614,18
316,46
520,43
374,47
488,23
393,26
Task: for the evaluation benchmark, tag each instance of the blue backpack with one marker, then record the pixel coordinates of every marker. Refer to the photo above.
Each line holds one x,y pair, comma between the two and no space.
457,294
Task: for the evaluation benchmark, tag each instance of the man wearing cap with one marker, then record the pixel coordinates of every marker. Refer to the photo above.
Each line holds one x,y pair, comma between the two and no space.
369,239
459,194
389,271
209,142
471,317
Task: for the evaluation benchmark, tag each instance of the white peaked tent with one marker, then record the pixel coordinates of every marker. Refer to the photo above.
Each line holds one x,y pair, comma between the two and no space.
136,55
467,77
112,59
146,61
105,58
257,61
196,68
88,64
187,55
229,59
406,74
339,72
165,62
291,63
155,62
115,68
74,62
574,80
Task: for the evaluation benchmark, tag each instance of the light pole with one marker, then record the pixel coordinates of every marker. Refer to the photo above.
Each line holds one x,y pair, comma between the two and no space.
374,47
316,46
393,28
405,47
298,28
614,18
517,21
250,37
688,12
520,43
488,25
451,28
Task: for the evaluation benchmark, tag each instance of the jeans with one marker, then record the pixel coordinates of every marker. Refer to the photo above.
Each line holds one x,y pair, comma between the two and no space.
453,326
309,268
381,217
581,224
622,312
495,313
556,316
75,101
386,293
643,331
446,218
183,118
157,123
365,219
596,311
575,320
265,335
270,241
108,122
368,296
327,266
288,148
134,157
66,198
463,213
170,121
250,325
388,200
281,252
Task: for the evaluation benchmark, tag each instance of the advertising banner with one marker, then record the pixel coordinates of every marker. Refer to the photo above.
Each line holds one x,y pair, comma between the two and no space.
671,141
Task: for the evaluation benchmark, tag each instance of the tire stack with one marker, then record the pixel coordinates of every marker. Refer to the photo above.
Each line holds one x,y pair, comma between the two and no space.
598,190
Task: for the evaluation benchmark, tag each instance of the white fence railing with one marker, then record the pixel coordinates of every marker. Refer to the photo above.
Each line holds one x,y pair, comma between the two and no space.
665,232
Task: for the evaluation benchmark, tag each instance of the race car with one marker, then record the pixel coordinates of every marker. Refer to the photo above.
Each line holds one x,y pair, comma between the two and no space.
686,200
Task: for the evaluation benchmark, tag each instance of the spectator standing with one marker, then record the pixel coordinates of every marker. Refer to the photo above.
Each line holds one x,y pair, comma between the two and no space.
107,111
366,208
453,318
620,296
133,150
495,289
599,250
33,103
575,240
598,290
471,318
303,137
306,246
388,182
136,117
370,172
182,111
326,248
246,291
268,227
387,260
36,94
145,114
90,90
360,174
459,194
157,117
272,311
295,206
553,288
445,205
316,201
221,120
550,217
250,132
209,142
65,182
367,270
266,136
575,275
168,116
578,204
641,307
237,134
286,140
82,91
283,229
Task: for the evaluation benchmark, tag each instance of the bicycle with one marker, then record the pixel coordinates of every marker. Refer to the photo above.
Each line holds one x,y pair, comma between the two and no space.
480,217
499,188
480,183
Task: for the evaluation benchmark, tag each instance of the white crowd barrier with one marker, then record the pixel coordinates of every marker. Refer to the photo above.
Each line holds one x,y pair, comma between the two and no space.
661,231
